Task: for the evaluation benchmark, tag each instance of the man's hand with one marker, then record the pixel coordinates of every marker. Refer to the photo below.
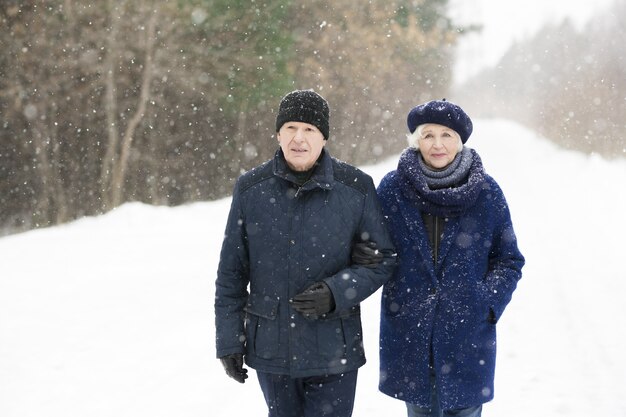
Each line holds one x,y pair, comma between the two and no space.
233,364
315,300
366,254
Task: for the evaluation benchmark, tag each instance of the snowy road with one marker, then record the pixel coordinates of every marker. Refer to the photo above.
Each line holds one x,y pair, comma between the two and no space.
113,316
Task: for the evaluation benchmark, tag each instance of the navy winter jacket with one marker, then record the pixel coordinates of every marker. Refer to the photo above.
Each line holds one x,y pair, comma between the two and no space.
281,238
445,312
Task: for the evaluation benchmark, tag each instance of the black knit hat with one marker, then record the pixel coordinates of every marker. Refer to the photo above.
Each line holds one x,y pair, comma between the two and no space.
304,106
444,113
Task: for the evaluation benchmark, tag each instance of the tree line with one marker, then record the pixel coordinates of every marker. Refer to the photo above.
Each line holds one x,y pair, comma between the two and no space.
167,102
566,83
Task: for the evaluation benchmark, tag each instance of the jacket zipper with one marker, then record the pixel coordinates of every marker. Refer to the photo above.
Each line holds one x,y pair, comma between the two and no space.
300,188
298,191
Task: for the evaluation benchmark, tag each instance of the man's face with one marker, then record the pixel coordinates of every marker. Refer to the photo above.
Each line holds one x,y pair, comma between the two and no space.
302,144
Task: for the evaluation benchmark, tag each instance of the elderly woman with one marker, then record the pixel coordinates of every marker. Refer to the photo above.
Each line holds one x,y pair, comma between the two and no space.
458,267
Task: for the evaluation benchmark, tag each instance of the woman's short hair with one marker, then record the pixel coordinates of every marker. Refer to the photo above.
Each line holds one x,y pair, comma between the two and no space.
412,138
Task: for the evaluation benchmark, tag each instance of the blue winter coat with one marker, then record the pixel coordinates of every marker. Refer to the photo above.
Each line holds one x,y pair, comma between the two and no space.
450,308
279,240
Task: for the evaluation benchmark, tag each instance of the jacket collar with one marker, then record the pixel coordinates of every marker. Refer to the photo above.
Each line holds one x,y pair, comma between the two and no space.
322,176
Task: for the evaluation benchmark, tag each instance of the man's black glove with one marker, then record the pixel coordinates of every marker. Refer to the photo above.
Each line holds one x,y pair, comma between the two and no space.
233,364
366,254
315,300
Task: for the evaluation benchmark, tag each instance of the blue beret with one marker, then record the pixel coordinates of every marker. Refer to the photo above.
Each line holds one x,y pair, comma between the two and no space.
444,113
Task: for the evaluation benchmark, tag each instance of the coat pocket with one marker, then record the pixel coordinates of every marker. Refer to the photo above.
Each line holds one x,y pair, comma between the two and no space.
484,294
262,330
340,339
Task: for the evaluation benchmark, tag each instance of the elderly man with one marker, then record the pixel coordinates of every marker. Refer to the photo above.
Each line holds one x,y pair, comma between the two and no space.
287,289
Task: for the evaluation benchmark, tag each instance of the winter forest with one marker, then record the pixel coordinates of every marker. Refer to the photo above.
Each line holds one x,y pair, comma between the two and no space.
167,102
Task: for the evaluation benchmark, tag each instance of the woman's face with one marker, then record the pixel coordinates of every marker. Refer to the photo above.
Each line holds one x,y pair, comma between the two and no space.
438,145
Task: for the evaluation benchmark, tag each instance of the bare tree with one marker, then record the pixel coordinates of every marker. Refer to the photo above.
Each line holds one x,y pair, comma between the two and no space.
120,165
110,100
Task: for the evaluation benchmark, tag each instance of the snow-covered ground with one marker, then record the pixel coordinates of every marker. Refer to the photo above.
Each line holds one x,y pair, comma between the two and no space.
113,316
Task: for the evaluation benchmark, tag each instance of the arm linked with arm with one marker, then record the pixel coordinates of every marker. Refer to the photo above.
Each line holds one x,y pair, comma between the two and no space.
354,284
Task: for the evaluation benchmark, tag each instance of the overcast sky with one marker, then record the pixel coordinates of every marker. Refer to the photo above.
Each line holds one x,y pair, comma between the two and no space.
507,21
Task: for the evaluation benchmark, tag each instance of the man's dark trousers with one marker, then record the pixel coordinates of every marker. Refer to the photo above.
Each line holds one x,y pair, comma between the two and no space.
315,396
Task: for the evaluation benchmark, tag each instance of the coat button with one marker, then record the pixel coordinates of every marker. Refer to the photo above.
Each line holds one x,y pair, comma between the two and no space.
293,242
